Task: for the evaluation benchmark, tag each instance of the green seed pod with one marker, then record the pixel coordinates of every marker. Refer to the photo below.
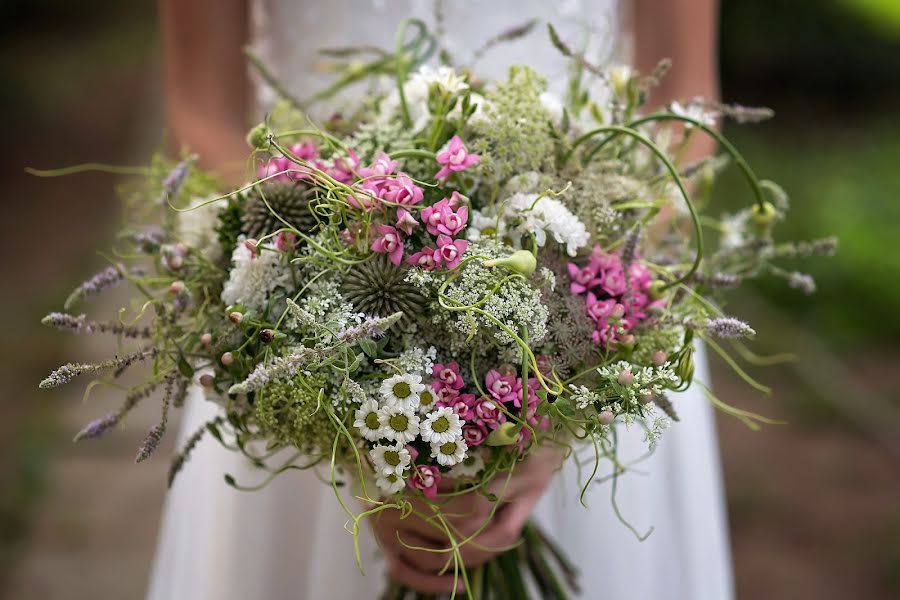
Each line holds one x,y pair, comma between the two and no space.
685,367
521,261
258,137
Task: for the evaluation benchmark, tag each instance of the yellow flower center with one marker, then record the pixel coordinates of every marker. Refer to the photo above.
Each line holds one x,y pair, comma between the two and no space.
399,422
401,390
392,457
440,425
448,448
372,420
427,398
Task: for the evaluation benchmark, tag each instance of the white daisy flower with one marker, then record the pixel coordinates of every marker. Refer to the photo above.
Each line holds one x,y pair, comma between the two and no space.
441,426
403,389
485,226
449,453
390,459
398,423
470,466
390,484
426,401
368,421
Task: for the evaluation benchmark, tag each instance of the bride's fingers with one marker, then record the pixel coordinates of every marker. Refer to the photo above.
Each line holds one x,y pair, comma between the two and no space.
400,571
503,532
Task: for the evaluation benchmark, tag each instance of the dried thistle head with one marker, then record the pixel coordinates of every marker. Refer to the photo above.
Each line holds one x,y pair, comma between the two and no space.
378,287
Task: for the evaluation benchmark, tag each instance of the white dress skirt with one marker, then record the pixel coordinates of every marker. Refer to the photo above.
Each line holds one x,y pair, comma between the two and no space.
288,542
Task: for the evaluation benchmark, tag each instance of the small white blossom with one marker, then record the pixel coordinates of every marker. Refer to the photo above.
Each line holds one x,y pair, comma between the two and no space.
368,421
426,401
252,279
416,89
390,459
390,484
470,466
398,423
483,226
403,389
197,227
540,215
449,453
442,425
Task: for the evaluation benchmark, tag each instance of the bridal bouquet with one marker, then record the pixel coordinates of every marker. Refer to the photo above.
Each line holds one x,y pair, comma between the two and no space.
450,273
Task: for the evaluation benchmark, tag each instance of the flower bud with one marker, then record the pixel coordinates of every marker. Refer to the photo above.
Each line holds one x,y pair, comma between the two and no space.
763,217
206,340
206,380
656,289
506,434
618,312
606,417
626,377
177,287
258,137
227,359
251,245
235,317
646,398
266,336
181,249
659,358
521,261
685,367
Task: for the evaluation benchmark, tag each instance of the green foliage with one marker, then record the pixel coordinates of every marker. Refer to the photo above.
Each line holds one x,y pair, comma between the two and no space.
291,414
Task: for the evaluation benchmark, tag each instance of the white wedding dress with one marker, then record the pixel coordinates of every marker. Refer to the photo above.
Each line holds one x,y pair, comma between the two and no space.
288,542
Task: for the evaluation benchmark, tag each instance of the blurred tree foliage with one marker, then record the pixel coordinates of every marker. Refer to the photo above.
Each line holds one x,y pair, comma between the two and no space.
831,71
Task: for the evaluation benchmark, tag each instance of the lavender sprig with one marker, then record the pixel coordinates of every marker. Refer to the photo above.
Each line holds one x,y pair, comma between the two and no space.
283,367
728,327
803,282
101,426
69,371
154,437
105,279
173,181
372,327
79,324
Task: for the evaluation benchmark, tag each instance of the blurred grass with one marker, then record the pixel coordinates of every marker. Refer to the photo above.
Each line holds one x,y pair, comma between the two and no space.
843,179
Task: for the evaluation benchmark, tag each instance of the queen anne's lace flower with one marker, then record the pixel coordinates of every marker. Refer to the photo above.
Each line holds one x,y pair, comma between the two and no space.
442,425
390,459
253,278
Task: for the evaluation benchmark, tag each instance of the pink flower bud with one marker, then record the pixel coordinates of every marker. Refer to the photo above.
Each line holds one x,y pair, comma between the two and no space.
606,417
659,358
251,244
206,340
206,380
236,317
227,359
626,377
177,287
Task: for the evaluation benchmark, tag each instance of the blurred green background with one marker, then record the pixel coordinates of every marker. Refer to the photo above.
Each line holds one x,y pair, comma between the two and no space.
814,505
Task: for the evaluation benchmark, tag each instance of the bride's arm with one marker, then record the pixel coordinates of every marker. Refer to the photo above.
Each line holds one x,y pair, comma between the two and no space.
685,31
206,85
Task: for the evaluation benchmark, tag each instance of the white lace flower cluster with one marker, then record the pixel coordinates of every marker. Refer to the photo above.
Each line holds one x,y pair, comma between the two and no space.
254,276
633,384
541,215
406,412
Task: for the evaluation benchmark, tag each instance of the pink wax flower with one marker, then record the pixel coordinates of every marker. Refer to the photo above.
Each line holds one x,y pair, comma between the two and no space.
425,478
389,242
440,218
505,388
474,434
402,190
463,405
448,375
405,221
613,281
344,167
426,258
599,309
487,412
382,166
582,279
533,398
444,396
450,251
454,157
456,200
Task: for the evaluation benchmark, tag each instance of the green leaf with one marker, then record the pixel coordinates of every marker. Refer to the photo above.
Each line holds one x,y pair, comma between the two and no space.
369,347
564,406
185,368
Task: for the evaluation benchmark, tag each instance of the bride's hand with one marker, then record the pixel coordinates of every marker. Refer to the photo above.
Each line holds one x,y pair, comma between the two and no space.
467,514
